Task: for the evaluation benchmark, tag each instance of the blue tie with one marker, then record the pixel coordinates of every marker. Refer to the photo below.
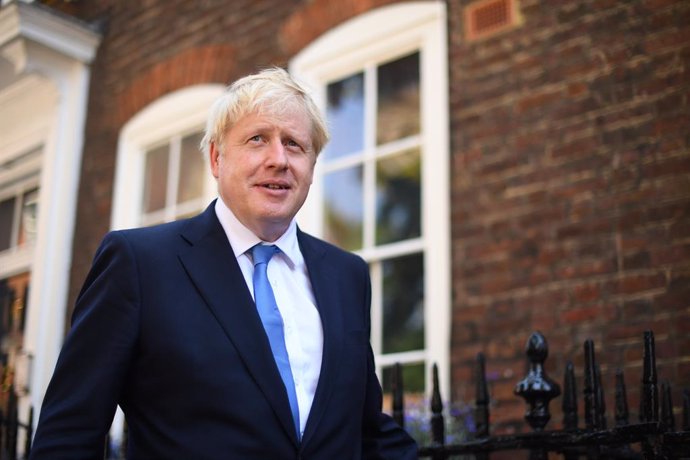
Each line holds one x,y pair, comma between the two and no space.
273,322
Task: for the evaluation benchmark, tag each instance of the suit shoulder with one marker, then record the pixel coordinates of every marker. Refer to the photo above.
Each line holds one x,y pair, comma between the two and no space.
194,226
330,250
153,231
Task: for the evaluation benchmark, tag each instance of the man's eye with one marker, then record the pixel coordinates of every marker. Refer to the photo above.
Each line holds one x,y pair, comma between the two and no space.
292,143
256,138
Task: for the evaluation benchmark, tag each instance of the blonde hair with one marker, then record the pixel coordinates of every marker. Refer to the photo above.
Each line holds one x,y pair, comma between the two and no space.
272,90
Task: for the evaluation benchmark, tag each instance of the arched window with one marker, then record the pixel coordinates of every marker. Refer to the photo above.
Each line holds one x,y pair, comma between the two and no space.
381,186
161,175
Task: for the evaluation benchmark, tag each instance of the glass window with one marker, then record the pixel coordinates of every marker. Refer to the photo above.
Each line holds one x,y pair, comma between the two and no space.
173,179
412,376
156,179
381,186
403,303
6,222
343,202
372,187
29,218
397,108
18,218
395,176
345,114
398,197
161,175
192,170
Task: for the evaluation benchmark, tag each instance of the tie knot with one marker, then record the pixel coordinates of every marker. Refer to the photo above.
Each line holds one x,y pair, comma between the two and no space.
262,253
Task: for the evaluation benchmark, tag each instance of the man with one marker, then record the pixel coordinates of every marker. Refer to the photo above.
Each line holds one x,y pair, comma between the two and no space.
167,325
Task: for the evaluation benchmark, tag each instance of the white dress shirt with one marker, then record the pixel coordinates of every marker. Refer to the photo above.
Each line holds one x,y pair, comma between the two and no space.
287,273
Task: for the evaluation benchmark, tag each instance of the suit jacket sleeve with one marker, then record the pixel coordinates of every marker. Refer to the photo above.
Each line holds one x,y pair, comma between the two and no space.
80,402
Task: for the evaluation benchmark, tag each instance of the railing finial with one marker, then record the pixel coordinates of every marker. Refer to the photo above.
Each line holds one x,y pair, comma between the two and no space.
437,424
537,388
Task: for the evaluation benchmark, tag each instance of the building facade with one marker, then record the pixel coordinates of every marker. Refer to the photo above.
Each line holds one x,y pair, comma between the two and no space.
503,166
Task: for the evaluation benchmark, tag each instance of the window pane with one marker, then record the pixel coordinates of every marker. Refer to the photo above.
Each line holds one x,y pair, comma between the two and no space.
343,208
6,219
398,99
398,197
412,377
191,183
28,224
403,304
156,178
345,115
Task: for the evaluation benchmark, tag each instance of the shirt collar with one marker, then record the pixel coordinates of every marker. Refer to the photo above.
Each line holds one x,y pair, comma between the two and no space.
242,239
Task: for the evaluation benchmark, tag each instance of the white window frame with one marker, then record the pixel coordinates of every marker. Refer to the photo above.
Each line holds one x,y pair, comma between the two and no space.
364,41
169,117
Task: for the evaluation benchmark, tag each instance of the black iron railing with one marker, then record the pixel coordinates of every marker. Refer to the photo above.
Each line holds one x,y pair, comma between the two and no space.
654,437
10,428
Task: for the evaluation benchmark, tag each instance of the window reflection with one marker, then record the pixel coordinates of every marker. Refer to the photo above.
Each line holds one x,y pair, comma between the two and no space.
403,303
398,197
191,183
412,377
343,208
156,179
398,99
345,115
29,219
18,219
6,219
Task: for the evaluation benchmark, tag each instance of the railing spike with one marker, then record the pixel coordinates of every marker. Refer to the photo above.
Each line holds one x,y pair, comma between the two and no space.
482,399
398,396
591,402
437,424
649,401
686,410
622,412
667,420
601,401
569,404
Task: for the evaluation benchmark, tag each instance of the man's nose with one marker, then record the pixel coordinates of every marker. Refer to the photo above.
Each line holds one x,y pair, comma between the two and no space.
277,154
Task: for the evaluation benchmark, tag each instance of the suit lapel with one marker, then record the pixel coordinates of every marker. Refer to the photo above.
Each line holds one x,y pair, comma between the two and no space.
211,265
324,284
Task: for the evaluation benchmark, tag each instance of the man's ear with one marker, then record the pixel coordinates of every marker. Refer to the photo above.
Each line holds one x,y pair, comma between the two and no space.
214,158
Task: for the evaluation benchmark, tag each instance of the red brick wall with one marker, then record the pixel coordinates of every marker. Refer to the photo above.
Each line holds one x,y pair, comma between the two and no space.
571,193
570,165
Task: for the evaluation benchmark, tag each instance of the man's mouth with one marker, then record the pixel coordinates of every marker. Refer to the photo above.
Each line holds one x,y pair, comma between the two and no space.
275,186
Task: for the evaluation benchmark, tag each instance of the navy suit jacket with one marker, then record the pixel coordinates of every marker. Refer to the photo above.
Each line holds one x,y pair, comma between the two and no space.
166,327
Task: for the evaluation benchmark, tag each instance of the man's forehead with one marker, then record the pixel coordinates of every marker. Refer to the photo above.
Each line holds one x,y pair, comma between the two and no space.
293,118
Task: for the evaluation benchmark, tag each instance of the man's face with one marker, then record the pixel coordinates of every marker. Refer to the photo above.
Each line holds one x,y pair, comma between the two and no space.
264,169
